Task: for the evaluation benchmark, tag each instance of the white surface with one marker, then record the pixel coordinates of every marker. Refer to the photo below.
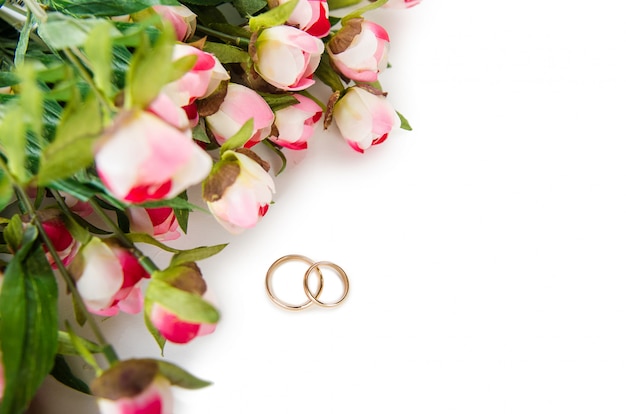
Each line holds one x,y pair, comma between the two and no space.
485,248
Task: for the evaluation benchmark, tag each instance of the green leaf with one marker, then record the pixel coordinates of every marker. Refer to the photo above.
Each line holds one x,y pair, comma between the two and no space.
196,254
404,123
82,348
149,70
14,233
278,101
182,214
226,53
159,339
61,32
359,12
13,141
328,75
99,50
273,17
28,328
249,7
63,373
104,7
185,305
148,239
182,66
6,190
179,377
66,344
61,161
276,150
240,138
341,4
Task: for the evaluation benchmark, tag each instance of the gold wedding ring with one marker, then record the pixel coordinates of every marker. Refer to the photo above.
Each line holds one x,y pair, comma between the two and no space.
312,297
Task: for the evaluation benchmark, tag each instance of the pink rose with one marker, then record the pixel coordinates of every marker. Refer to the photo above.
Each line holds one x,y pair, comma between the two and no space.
310,16
287,57
106,276
359,50
295,124
239,190
239,105
133,386
200,81
364,118
172,326
182,19
159,222
142,158
64,244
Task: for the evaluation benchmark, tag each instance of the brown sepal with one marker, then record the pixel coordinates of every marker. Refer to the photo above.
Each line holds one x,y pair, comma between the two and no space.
126,379
344,37
190,279
254,156
211,104
328,116
217,183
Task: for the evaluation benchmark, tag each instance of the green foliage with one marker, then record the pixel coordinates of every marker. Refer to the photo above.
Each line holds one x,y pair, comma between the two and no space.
274,17
226,53
187,306
240,138
28,325
103,7
179,377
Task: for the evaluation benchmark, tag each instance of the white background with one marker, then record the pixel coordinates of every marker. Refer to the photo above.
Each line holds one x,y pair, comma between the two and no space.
485,248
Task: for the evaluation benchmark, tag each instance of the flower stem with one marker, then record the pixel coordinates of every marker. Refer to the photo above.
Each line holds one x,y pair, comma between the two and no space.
107,349
37,10
144,260
236,40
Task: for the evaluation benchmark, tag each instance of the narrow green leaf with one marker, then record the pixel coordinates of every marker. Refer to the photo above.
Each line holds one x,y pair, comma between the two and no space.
61,161
6,190
226,53
240,138
404,123
148,239
28,328
158,338
104,7
361,11
273,17
66,345
249,7
182,66
62,372
278,101
196,254
180,377
13,141
99,50
82,348
187,306
60,31
182,214
328,75
14,233
341,4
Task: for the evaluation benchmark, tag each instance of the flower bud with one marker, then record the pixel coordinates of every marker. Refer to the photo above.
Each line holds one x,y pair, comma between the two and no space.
310,16
159,222
106,276
182,19
171,326
359,50
133,386
295,124
142,158
64,243
239,190
286,57
240,104
364,118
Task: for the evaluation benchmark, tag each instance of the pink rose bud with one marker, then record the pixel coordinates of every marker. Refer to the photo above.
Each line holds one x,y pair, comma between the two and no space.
202,80
159,222
286,57
309,15
239,190
182,19
401,4
142,158
364,118
359,50
64,244
169,324
106,277
240,104
133,386
295,124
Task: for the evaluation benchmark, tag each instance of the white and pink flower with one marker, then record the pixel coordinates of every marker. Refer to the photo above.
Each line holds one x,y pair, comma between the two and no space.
182,19
133,386
241,104
359,50
64,243
158,222
364,118
106,277
309,15
239,190
170,324
286,57
142,158
295,124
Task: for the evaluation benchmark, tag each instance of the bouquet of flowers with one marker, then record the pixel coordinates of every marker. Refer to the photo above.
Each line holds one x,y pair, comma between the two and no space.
110,112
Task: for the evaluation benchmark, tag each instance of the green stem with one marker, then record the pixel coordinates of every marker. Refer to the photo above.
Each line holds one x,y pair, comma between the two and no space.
36,9
236,40
144,260
108,350
22,44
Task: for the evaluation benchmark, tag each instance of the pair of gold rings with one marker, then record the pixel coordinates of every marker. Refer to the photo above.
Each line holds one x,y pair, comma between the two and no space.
313,297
